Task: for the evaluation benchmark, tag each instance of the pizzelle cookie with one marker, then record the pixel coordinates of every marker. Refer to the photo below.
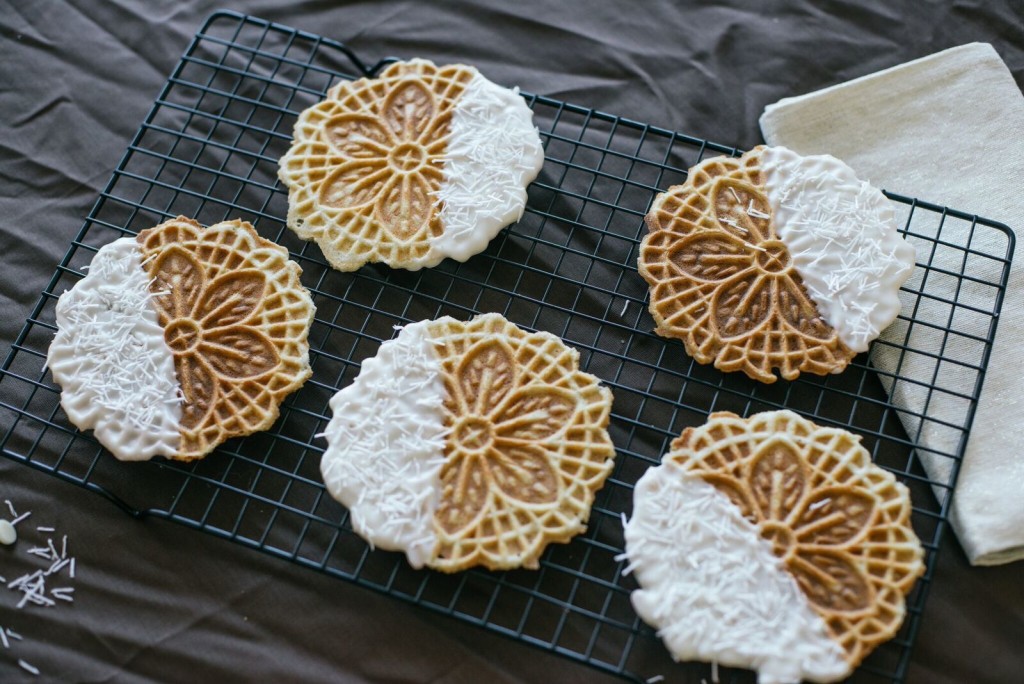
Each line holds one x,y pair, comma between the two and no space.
421,163
181,338
774,261
467,444
773,544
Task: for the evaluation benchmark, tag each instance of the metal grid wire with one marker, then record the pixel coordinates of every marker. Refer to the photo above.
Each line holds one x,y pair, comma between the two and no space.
209,148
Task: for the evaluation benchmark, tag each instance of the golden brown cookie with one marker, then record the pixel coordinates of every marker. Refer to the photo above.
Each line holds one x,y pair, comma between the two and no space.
236,319
527,445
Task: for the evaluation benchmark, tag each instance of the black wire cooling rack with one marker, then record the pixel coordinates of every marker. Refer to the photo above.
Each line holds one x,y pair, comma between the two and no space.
209,148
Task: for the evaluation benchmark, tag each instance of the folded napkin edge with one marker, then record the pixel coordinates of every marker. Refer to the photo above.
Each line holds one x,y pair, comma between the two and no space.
991,558
984,50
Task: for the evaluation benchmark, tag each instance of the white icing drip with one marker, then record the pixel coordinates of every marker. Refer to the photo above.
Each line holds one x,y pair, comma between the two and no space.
109,356
713,588
385,445
841,233
493,153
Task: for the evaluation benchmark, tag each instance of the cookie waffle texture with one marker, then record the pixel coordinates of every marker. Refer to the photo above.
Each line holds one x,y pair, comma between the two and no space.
236,319
527,446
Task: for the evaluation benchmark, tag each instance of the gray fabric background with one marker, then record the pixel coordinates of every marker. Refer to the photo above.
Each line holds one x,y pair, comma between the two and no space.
155,602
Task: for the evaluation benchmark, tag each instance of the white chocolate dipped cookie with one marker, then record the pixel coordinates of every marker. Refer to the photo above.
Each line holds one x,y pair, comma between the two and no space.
772,544
181,338
774,261
467,444
419,164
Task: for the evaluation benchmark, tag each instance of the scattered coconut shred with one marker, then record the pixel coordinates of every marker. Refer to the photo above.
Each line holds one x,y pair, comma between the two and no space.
37,587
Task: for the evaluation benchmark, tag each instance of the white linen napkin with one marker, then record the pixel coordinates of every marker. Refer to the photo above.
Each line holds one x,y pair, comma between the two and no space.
948,129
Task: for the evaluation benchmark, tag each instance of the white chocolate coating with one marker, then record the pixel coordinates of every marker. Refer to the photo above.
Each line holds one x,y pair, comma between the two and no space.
385,445
841,233
713,588
493,153
110,358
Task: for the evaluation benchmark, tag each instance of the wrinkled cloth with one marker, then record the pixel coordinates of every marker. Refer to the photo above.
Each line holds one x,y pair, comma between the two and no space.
950,128
157,602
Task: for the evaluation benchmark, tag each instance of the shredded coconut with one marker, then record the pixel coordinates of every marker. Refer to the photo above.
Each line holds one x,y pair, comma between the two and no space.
111,360
841,233
33,585
28,667
494,152
385,445
713,588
